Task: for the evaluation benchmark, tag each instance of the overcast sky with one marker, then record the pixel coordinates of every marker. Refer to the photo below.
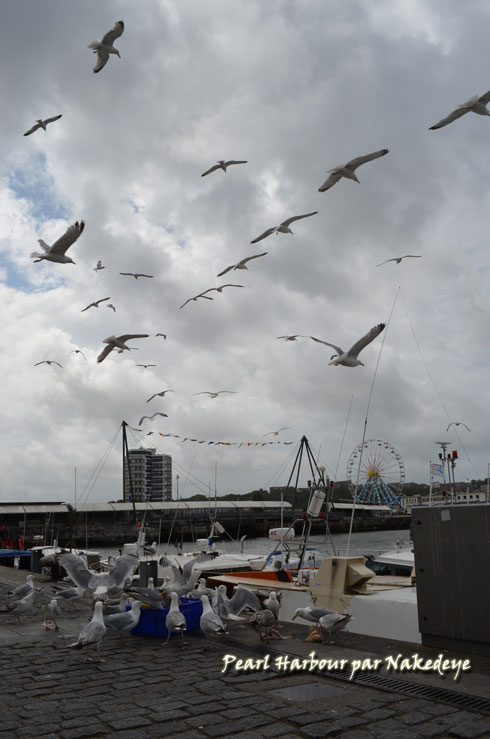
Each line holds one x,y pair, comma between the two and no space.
294,87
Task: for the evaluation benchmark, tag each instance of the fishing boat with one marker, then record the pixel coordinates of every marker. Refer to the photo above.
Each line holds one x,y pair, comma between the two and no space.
379,592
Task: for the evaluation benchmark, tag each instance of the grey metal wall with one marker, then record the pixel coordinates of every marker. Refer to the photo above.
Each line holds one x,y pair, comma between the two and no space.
452,561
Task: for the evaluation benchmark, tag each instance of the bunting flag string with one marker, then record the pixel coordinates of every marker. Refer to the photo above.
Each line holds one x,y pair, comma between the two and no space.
216,443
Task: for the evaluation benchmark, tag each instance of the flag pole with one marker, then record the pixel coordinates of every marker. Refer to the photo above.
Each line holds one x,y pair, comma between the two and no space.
430,483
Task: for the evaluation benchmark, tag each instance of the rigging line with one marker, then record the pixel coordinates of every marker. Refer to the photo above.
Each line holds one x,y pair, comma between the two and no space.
342,443
321,460
433,383
280,470
366,421
97,471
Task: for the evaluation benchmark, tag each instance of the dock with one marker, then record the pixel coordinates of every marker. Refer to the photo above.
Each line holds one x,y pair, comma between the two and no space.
241,686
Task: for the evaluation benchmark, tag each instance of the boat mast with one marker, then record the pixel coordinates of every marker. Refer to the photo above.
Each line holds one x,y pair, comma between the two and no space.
125,451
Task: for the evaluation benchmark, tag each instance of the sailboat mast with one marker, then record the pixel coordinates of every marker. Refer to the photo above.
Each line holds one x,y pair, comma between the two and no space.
125,452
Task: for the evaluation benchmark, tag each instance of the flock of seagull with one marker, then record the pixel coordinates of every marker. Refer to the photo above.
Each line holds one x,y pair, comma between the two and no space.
57,252
118,603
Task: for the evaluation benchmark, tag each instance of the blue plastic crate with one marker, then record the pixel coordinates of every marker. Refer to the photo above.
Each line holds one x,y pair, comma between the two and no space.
152,621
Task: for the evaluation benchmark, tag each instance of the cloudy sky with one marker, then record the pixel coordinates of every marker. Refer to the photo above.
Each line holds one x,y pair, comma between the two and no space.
294,87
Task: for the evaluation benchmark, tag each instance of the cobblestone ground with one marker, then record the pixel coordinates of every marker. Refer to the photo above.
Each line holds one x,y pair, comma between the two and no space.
145,689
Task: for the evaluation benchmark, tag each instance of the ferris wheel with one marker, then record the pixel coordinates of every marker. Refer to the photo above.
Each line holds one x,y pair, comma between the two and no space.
381,473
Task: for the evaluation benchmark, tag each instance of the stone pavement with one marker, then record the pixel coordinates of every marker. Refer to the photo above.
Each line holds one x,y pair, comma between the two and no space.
145,689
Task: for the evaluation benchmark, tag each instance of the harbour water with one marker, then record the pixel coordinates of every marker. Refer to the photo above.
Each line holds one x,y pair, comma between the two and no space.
362,542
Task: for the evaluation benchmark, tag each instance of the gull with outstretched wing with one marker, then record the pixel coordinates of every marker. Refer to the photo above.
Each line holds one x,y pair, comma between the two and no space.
40,123
242,264
349,170
349,358
399,259
150,418
118,342
161,395
474,105
95,304
222,164
135,274
106,46
57,251
283,227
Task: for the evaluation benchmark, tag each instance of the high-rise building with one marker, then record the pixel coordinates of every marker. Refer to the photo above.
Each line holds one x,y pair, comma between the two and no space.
151,476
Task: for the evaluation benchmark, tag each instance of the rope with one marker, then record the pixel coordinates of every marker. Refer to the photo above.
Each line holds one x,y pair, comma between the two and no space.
434,384
366,422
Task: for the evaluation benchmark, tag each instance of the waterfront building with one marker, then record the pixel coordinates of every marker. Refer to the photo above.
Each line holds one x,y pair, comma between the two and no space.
151,476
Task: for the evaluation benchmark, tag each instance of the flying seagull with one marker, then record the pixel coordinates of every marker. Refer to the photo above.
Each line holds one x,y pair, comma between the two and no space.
145,365
215,395
105,47
222,165
283,227
218,289
76,351
56,252
134,274
150,418
349,359
275,433
292,337
118,342
161,395
42,124
475,104
348,170
164,335
399,259
457,423
201,295
48,361
95,304
109,305
99,266
242,264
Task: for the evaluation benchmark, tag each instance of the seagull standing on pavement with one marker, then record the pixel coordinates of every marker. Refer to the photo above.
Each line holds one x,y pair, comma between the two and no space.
283,227
92,633
106,46
349,170
349,358
42,124
57,252
175,620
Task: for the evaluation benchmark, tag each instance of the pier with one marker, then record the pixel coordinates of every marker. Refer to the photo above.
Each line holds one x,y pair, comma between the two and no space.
146,690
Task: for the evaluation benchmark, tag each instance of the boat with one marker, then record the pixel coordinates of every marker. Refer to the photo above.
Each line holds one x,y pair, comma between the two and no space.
378,592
